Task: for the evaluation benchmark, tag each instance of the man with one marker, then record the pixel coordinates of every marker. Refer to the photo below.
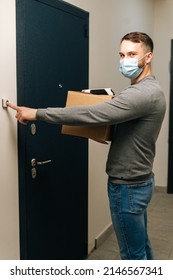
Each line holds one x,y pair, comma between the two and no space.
138,112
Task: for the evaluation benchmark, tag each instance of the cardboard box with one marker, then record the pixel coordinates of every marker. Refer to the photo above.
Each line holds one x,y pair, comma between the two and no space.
97,133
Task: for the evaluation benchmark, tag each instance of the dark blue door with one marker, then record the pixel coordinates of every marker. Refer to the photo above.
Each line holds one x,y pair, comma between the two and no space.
52,58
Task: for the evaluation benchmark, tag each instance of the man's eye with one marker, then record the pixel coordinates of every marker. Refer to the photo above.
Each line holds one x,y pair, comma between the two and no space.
122,55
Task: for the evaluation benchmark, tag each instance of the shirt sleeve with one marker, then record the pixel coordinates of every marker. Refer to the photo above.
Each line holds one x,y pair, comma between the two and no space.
129,104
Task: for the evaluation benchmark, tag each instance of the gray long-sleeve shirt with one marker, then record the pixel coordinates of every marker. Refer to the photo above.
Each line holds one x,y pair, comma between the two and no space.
137,112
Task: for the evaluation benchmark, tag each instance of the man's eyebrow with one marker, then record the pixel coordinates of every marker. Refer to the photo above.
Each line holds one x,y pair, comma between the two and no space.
130,52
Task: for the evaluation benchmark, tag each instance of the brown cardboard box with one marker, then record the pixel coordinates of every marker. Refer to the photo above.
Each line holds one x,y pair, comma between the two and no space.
97,133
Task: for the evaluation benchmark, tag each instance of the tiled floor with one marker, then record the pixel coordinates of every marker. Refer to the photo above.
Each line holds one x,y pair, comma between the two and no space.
160,228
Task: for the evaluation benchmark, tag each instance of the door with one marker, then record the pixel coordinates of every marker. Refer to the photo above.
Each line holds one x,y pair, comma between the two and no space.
170,154
52,58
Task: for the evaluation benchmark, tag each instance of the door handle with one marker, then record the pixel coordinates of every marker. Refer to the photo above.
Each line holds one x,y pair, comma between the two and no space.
34,162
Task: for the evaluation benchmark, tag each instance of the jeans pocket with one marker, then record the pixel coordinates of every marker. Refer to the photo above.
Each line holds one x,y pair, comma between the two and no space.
114,197
139,196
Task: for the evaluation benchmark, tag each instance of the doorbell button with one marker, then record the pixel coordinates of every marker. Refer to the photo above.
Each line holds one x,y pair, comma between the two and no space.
4,103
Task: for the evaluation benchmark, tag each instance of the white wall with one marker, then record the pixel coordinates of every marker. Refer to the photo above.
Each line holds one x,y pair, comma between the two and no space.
163,33
9,221
109,21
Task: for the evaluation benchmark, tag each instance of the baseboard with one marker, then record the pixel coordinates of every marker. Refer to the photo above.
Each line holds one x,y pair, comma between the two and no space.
103,236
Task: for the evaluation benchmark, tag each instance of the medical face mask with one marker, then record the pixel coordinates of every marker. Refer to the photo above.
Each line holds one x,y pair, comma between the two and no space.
129,68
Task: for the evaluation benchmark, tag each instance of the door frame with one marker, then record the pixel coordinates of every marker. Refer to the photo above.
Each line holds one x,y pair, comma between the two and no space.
170,147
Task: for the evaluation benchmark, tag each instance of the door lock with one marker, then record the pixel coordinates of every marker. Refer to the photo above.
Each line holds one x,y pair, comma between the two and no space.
34,162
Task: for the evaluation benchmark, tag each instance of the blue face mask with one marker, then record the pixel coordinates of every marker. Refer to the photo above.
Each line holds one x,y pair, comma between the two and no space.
129,68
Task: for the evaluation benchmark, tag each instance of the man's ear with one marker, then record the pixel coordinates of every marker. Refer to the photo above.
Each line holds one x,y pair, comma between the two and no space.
149,57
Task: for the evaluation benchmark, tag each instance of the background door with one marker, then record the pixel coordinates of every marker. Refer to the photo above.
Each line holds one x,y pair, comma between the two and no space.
170,161
52,58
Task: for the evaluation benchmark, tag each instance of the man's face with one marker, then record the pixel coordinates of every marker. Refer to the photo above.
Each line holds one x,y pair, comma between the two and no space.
130,49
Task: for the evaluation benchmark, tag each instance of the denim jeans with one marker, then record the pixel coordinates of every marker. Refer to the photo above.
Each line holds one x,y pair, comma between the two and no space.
128,205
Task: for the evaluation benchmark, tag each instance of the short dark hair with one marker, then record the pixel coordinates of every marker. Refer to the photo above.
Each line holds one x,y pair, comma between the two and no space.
138,37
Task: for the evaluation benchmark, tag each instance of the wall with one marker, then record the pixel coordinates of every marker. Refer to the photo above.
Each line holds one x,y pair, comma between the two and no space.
163,33
9,224
109,21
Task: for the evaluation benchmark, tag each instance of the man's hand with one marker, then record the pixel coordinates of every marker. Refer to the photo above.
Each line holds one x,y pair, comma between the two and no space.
24,114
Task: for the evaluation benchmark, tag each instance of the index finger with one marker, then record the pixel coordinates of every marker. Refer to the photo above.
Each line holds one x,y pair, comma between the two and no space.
11,105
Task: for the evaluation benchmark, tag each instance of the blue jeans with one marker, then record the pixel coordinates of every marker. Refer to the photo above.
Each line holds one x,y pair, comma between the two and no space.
128,205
